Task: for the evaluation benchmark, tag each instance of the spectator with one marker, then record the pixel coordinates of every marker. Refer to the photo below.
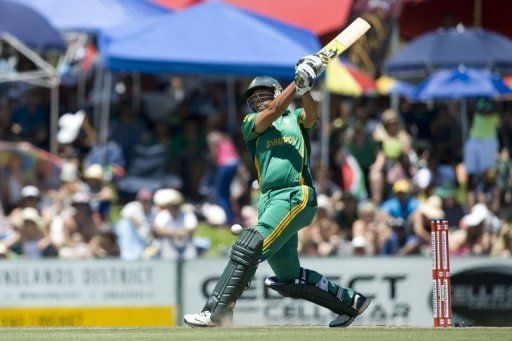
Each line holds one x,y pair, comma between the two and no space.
33,239
481,148
226,160
104,245
504,172
453,210
477,233
132,230
367,227
174,226
429,210
395,147
401,204
502,247
101,195
12,180
31,119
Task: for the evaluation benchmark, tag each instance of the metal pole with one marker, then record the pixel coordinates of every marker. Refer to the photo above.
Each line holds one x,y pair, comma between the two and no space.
180,262
54,118
464,120
231,97
325,124
105,114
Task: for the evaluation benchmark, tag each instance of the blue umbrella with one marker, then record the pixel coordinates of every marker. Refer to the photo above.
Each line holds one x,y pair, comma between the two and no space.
29,27
446,49
461,83
95,15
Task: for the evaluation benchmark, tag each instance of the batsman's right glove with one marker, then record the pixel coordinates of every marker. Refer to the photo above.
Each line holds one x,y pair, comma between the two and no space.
305,78
313,60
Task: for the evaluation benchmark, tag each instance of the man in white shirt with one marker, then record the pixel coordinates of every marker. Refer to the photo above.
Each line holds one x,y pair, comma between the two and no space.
174,226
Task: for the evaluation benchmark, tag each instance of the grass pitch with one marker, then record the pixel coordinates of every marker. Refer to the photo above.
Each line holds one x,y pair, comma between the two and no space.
266,333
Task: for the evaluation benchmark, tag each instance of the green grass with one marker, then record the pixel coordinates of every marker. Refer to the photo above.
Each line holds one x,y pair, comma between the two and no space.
265,333
220,237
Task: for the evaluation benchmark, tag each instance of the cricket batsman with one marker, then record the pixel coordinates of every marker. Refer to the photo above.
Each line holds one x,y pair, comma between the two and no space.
278,140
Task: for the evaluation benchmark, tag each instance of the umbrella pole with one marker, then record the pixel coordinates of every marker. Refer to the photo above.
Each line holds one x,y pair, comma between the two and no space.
54,107
324,136
105,114
231,98
464,119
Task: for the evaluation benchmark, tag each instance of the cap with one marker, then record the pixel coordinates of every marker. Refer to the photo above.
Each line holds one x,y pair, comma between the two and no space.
167,197
94,171
30,191
432,208
31,214
401,186
69,127
478,214
389,116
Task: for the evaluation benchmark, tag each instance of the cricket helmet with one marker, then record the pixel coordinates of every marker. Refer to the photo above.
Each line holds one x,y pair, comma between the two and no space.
262,82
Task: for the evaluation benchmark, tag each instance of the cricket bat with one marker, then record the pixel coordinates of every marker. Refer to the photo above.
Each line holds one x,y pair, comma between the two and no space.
344,40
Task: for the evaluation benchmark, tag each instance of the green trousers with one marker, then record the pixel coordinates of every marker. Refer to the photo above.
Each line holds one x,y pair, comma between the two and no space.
281,214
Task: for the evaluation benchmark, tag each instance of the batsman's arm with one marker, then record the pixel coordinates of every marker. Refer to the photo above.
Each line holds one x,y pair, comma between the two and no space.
276,107
309,113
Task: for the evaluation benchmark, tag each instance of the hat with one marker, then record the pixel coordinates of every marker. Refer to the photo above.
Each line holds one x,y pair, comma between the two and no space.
366,207
30,191
478,214
167,197
68,172
359,242
144,194
323,201
423,178
31,214
94,171
445,191
69,127
401,186
389,116
432,208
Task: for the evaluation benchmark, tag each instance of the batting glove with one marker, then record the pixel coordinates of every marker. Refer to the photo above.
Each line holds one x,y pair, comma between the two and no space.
305,78
313,60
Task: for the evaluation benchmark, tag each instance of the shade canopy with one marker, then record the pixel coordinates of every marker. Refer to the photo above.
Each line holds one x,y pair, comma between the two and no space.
28,26
461,83
95,15
445,49
211,38
387,85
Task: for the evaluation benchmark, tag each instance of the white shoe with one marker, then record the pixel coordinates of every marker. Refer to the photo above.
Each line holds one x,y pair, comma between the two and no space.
201,319
360,304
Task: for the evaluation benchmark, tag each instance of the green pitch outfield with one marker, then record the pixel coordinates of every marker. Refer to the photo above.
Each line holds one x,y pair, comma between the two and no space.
267,333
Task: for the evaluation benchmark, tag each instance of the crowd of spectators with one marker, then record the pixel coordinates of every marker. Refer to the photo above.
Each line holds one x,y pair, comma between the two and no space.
174,163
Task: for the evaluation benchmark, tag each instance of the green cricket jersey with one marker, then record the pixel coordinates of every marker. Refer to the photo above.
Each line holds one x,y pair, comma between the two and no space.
281,153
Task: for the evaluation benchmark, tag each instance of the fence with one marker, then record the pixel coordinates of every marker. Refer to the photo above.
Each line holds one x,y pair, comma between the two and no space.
156,293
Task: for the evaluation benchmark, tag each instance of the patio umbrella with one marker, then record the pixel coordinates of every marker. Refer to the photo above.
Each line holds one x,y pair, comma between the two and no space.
461,84
446,49
343,78
387,86
28,26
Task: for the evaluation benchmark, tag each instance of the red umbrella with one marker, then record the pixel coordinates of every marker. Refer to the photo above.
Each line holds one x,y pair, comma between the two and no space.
420,16
176,4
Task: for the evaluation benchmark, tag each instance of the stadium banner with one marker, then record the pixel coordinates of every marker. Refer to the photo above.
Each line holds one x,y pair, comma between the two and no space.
87,293
401,288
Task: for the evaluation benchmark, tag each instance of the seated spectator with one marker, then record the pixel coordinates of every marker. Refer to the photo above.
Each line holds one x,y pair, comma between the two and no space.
502,247
104,245
477,232
429,210
100,193
395,144
12,180
402,204
174,226
133,228
368,227
33,241
345,212
452,209
31,119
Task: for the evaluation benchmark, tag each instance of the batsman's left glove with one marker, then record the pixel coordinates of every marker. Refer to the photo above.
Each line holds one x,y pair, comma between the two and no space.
305,78
313,60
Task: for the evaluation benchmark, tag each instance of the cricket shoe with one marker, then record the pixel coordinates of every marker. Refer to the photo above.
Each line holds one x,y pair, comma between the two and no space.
202,319
360,304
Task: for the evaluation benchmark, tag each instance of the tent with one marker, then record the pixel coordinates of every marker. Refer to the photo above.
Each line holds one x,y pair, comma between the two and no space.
95,15
24,29
444,49
343,78
211,38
